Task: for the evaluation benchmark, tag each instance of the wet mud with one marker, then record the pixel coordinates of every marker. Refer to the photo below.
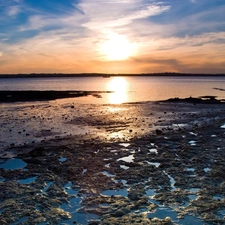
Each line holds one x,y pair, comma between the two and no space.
140,163
18,96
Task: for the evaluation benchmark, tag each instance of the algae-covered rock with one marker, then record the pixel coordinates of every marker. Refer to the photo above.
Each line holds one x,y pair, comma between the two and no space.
136,219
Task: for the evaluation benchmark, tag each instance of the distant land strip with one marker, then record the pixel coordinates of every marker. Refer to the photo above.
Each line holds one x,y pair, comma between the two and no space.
200,100
17,96
43,75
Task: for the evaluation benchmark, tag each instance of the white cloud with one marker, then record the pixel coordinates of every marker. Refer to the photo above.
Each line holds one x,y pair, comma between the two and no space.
97,16
111,14
89,24
199,44
38,20
13,10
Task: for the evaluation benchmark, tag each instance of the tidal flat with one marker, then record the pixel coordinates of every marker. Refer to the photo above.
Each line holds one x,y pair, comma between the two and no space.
140,163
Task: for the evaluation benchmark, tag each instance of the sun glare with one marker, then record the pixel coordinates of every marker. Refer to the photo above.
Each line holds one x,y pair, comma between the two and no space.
119,87
116,47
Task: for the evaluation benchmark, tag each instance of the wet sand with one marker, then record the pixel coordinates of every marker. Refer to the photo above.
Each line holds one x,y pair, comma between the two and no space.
139,163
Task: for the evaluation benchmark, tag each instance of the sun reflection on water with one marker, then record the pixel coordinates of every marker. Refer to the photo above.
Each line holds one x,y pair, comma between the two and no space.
119,87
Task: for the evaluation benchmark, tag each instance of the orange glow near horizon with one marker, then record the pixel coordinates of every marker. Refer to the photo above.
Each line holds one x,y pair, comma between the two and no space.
115,54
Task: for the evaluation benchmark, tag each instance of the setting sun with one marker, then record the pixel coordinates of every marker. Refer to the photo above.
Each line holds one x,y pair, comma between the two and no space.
116,47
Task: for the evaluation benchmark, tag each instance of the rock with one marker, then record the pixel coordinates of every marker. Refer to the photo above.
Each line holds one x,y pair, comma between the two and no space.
158,132
121,212
93,222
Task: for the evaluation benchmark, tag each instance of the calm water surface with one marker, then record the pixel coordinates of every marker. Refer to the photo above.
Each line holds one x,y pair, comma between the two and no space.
126,89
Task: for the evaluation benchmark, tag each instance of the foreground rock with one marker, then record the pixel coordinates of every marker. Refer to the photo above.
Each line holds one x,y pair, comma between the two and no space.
166,177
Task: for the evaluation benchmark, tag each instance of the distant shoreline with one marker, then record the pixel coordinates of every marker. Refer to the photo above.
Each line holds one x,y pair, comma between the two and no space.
50,75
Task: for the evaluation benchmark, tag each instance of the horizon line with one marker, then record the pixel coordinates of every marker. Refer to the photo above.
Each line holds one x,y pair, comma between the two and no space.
42,75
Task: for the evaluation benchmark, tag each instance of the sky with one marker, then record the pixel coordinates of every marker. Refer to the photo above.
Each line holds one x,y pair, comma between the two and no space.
112,36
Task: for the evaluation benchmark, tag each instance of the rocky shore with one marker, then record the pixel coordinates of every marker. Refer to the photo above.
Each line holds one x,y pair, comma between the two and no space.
140,163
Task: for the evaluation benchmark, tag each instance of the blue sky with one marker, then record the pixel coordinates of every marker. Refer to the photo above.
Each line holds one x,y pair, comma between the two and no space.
115,36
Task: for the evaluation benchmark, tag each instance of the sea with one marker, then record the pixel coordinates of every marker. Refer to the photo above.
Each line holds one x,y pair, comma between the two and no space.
125,88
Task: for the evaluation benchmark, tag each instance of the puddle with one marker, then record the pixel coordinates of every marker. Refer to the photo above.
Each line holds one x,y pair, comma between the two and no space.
179,125
192,143
153,163
192,175
22,220
192,133
127,159
190,169
192,197
190,220
124,182
153,150
113,151
121,192
172,181
27,181
162,213
84,171
206,170
62,159
108,174
150,193
77,217
218,197
107,165
13,164
221,213
125,144
124,167
48,184
194,190
68,189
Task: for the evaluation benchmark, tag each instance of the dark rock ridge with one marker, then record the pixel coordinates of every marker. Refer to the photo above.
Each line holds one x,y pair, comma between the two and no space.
15,96
202,99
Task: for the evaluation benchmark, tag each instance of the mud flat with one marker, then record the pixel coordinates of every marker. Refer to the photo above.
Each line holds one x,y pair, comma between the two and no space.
140,163
18,96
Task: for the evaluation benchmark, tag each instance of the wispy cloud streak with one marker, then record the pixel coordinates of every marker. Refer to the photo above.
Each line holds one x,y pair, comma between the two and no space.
124,16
